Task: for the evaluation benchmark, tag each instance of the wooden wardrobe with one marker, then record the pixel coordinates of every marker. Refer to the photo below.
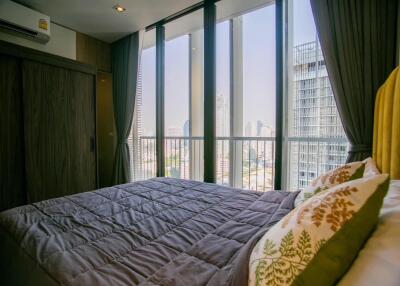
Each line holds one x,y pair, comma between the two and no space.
47,126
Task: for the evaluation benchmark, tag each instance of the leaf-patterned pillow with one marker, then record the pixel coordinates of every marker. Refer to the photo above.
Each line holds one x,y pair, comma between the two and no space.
342,174
316,242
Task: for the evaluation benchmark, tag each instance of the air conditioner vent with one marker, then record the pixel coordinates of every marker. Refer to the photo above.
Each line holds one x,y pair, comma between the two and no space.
24,22
8,27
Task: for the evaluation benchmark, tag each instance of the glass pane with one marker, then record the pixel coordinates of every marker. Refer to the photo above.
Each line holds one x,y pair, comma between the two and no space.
184,97
223,56
245,103
258,129
142,140
317,142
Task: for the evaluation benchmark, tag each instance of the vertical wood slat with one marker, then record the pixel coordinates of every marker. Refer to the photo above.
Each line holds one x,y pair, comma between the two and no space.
59,120
12,175
92,51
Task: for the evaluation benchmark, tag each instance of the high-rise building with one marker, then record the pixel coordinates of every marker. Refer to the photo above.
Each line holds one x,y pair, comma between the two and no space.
222,120
174,131
248,130
136,132
186,129
314,115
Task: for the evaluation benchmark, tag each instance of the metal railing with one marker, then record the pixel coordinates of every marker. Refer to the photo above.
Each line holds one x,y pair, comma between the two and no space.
312,156
242,162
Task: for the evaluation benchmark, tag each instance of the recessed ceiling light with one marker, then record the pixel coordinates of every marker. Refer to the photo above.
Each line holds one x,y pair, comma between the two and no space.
119,8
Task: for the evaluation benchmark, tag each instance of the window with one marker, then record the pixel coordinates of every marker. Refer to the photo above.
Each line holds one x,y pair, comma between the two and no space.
142,140
184,97
245,99
259,107
177,107
316,140
223,98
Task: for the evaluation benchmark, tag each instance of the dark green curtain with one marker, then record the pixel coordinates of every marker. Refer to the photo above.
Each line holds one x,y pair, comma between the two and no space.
124,65
358,40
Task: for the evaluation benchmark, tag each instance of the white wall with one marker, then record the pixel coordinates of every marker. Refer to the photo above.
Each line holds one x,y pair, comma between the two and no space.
62,42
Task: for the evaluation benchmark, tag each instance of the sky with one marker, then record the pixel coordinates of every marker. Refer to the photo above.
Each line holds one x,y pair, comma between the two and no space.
258,68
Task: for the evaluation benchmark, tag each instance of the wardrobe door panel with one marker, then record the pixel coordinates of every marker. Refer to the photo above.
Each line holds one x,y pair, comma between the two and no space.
59,116
12,177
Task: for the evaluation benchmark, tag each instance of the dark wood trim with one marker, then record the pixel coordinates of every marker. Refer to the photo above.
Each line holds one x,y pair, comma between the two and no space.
279,93
46,58
209,91
160,57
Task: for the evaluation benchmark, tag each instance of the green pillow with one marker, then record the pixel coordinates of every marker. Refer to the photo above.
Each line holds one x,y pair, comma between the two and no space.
317,242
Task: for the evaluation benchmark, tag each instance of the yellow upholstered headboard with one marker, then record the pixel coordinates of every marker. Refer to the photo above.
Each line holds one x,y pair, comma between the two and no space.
386,146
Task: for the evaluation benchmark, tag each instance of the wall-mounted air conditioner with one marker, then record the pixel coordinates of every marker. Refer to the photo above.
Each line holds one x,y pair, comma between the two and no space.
22,21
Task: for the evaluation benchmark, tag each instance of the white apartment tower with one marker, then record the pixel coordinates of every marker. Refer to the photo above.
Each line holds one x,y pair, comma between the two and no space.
315,119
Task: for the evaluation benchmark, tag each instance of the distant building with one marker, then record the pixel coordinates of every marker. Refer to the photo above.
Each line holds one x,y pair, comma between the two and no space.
174,131
248,129
264,130
222,120
186,128
260,126
134,143
314,114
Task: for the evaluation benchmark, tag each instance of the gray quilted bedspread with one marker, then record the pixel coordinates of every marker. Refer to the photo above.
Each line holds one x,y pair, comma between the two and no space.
156,232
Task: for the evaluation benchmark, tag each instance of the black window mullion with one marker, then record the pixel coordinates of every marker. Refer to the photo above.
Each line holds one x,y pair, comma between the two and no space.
209,91
160,60
279,93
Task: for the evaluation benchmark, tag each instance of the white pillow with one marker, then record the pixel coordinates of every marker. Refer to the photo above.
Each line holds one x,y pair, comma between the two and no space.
371,169
378,263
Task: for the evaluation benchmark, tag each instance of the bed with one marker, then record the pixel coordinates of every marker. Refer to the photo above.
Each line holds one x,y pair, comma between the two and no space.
157,232
168,231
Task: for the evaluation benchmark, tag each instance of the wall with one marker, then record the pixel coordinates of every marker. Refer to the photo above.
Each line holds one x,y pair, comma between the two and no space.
62,42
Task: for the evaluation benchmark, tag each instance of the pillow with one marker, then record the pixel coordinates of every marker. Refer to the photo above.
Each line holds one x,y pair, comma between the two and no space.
370,168
380,257
342,174
316,242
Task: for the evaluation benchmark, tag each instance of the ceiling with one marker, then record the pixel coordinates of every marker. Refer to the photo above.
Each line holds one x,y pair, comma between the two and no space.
98,19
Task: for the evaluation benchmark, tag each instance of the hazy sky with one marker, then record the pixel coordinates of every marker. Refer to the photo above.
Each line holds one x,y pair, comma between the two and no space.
258,68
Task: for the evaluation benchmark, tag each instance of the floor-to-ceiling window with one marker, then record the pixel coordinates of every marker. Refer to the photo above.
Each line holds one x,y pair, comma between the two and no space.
316,140
223,98
246,85
142,138
245,99
259,92
177,107
184,97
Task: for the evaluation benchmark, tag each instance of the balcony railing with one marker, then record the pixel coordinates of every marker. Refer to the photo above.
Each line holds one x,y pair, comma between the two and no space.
312,156
242,162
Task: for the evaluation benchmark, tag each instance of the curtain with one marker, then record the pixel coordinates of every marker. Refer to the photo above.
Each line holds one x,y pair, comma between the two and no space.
125,55
358,40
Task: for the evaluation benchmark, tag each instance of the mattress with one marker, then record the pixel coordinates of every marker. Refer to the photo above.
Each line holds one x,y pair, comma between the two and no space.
162,231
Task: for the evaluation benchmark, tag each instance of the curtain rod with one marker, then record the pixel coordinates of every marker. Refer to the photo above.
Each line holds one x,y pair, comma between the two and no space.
179,14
